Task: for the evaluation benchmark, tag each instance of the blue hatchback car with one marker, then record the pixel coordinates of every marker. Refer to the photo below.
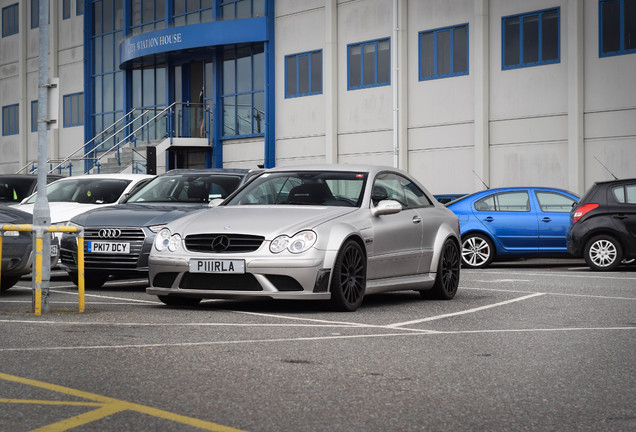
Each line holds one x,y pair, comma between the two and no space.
513,222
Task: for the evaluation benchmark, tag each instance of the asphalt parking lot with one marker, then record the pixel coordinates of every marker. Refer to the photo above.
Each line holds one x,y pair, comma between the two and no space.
536,345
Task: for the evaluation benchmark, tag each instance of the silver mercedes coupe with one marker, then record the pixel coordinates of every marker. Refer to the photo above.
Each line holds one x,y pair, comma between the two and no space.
314,232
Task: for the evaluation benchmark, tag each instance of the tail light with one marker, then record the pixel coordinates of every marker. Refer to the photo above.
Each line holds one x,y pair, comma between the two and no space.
582,211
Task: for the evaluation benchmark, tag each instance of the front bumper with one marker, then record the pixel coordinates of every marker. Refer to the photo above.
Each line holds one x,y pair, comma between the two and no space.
265,277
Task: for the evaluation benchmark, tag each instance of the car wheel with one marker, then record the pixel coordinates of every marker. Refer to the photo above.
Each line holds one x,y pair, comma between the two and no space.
91,280
349,278
447,279
179,301
8,282
478,251
603,253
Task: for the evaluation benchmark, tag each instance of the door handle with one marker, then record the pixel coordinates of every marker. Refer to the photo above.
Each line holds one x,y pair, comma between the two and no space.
620,216
489,219
417,219
546,219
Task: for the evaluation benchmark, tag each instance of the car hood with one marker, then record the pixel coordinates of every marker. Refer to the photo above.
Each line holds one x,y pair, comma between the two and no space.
63,211
135,215
267,221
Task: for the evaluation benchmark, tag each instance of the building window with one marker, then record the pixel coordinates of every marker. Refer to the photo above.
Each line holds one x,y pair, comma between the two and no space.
66,9
73,109
531,39
243,93
10,20
303,74
191,11
617,27
147,15
79,7
369,64
237,9
10,120
35,13
34,116
444,52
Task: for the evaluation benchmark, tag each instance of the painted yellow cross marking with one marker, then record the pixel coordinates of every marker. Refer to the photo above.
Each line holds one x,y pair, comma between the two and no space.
105,406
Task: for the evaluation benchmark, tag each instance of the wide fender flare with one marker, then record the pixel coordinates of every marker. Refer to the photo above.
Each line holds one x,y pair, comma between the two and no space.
444,232
338,234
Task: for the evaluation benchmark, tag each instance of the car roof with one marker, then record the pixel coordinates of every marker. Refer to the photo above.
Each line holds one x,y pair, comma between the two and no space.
617,181
372,169
124,176
179,171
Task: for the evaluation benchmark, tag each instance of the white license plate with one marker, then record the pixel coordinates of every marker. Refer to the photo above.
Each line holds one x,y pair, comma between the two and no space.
108,247
53,250
217,266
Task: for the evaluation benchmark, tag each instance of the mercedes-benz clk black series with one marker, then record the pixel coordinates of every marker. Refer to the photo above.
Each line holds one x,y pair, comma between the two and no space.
603,225
118,238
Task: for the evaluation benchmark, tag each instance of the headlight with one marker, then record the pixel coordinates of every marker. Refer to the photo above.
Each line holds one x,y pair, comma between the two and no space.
162,239
174,243
166,240
296,244
73,224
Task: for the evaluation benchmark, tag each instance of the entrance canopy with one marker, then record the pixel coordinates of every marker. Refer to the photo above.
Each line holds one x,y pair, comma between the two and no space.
140,49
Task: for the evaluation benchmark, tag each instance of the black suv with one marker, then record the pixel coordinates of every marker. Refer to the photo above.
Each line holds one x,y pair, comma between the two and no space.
603,225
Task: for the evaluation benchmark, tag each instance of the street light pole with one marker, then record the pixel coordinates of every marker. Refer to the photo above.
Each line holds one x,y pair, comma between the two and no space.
41,210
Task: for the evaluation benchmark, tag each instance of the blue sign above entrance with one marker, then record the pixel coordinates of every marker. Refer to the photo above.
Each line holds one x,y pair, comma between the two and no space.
192,36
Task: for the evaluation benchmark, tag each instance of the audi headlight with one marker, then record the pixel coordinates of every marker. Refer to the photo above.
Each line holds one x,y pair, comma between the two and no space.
156,228
162,239
297,244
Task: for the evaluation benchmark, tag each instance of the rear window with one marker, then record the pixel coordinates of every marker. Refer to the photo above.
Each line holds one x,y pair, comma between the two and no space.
625,194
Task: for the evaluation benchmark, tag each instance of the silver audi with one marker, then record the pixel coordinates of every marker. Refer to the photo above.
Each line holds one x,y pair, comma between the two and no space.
330,232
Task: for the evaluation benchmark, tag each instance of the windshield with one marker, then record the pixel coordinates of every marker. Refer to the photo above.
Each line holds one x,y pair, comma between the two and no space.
85,191
186,188
332,188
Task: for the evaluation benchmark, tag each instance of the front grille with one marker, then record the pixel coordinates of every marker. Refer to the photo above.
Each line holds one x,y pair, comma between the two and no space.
134,236
164,280
223,243
206,281
284,283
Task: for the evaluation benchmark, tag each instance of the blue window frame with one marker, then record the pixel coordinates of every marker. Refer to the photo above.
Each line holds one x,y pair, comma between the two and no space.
531,39
79,7
243,90
10,21
147,15
369,64
73,109
34,116
617,27
66,9
443,52
191,12
237,9
303,74
10,120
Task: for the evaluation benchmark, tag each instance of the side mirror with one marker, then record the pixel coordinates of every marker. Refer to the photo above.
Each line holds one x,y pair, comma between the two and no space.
386,207
215,202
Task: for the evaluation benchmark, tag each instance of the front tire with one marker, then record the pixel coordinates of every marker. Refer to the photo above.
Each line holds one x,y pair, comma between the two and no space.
349,278
7,282
447,279
179,301
603,253
91,280
478,251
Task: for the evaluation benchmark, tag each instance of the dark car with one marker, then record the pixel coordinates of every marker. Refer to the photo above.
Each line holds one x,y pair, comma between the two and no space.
17,248
603,225
447,198
118,238
514,222
15,187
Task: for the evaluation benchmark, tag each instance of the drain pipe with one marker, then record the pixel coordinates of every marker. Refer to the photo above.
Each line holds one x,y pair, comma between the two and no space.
394,60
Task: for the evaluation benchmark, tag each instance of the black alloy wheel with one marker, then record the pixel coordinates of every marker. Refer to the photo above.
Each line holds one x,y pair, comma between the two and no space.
448,268
349,279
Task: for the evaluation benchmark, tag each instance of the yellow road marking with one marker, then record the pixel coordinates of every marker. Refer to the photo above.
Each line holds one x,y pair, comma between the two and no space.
108,406
49,402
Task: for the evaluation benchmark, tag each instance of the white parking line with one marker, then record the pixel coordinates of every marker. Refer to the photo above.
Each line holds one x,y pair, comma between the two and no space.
595,275
552,294
314,338
464,312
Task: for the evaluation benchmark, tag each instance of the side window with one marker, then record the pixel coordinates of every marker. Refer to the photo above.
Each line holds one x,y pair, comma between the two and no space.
400,189
554,202
625,194
505,202
369,64
303,74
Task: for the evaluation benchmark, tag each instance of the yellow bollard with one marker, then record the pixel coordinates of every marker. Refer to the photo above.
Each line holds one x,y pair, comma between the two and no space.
80,270
38,275
1,238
